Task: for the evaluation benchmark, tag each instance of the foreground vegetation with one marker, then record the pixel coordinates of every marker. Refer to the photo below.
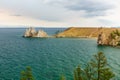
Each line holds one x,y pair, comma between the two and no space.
27,74
96,69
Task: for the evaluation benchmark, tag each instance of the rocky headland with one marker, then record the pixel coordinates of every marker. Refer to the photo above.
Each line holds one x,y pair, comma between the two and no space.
105,36
87,32
31,32
111,39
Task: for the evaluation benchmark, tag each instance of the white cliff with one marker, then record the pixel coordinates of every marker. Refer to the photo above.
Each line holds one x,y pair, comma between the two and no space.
31,32
41,33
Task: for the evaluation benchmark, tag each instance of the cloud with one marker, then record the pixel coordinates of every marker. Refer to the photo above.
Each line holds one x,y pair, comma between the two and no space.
105,21
17,15
90,7
70,12
56,10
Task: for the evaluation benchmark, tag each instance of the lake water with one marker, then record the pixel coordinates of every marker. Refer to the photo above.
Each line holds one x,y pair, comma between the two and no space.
50,57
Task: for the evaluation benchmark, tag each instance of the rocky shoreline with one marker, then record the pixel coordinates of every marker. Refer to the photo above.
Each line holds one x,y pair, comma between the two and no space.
112,39
104,36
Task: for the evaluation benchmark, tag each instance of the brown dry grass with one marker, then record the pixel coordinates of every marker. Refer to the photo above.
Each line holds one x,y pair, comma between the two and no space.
85,32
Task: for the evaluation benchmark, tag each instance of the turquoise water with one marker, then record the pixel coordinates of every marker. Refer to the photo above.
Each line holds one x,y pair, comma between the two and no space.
49,57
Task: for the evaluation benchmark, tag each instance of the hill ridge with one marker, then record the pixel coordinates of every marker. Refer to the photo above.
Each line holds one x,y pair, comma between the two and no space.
85,31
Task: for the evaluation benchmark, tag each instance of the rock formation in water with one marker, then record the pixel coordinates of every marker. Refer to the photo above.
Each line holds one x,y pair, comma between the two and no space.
31,32
101,39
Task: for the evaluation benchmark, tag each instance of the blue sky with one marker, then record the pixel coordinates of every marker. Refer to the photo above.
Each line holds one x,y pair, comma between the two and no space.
60,13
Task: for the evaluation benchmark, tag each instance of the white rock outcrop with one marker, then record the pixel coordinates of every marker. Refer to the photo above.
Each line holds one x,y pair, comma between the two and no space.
31,32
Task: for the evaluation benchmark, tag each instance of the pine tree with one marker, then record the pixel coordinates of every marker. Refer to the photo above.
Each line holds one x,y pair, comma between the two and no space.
78,73
23,75
27,74
88,72
62,77
99,67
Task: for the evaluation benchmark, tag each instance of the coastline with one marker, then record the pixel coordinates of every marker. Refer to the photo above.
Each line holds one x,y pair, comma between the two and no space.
76,37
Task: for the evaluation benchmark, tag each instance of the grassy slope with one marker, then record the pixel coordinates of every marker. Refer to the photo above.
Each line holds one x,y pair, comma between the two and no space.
85,32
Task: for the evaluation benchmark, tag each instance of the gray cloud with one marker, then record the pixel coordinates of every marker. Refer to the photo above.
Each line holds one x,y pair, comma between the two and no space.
57,10
17,15
90,7
95,14
49,18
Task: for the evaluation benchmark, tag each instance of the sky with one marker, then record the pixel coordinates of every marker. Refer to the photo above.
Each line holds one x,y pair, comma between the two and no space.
60,13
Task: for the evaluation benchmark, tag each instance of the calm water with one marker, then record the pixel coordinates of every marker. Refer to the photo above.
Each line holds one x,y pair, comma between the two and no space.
49,58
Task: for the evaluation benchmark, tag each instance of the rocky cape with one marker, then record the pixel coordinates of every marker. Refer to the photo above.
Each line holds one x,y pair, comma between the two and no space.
31,32
87,32
105,36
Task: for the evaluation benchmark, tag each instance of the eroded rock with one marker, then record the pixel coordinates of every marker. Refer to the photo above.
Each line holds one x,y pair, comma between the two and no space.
31,32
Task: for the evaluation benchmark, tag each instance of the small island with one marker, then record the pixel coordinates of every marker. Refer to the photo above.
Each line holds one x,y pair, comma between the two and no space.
31,32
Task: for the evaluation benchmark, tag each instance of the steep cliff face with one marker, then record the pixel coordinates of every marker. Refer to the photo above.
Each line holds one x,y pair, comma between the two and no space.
112,39
102,39
31,32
